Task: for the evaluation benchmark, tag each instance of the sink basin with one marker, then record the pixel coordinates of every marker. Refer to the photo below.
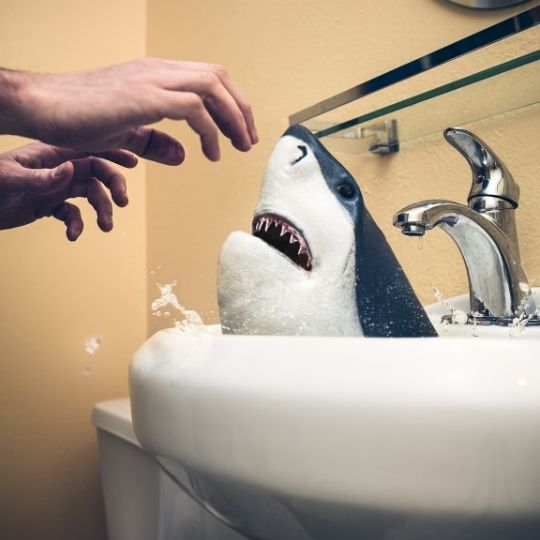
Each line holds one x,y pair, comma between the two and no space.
314,438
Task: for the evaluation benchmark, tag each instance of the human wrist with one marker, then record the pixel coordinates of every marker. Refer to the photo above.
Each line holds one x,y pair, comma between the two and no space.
14,119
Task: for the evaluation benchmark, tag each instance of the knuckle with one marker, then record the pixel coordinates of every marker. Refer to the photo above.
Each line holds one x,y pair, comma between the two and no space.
39,182
246,108
218,70
211,130
210,80
194,103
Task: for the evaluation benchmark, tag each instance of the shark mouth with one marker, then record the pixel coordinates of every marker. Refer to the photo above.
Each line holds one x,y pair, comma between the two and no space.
282,235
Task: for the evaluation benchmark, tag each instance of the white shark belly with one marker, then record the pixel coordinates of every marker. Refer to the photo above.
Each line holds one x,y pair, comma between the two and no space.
261,292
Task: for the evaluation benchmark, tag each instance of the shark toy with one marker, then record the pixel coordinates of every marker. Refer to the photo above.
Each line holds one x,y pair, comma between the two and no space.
316,263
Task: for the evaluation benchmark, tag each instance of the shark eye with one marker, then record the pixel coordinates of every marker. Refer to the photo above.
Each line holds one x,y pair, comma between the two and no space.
346,190
302,149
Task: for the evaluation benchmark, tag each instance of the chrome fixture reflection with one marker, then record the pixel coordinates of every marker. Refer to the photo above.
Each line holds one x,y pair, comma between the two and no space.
484,231
487,4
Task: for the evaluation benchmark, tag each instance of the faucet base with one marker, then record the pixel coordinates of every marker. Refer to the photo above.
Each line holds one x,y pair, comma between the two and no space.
486,320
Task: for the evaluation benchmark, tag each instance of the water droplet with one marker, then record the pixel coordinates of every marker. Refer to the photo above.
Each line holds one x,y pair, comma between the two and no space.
475,316
518,324
459,317
92,345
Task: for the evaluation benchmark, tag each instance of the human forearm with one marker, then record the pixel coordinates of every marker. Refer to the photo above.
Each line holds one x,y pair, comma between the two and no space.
13,91
111,108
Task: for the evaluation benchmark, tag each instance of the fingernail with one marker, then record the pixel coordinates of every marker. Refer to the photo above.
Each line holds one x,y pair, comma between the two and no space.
134,161
172,153
105,225
59,171
73,234
243,146
213,154
120,199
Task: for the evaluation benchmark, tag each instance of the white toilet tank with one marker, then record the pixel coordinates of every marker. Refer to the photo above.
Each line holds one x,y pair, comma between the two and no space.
141,501
129,476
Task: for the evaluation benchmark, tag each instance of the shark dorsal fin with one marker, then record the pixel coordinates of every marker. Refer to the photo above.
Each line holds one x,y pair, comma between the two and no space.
387,304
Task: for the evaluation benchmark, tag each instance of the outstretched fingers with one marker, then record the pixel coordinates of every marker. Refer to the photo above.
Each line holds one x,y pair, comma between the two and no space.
224,101
90,176
201,122
37,180
112,179
157,146
205,89
190,107
120,157
101,203
71,216
240,101
152,144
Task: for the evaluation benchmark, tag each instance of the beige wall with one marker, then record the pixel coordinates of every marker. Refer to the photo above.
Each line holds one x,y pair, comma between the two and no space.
54,295
287,56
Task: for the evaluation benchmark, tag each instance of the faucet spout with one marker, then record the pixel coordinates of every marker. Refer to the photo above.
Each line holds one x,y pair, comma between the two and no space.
497,284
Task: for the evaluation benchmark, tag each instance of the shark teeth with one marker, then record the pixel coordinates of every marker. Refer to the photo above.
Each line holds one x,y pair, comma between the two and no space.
282,235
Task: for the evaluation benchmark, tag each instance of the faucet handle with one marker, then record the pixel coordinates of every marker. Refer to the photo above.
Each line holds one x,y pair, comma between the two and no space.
491,178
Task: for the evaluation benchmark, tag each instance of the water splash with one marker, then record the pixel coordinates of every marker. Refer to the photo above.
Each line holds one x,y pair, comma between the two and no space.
518,324
475,316
92,344
189,321
478,323
458,316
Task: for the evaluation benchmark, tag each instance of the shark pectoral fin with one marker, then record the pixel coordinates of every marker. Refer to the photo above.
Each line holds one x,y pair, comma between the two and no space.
387,304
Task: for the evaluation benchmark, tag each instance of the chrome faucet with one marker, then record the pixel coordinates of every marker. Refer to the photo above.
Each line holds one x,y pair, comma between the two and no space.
484,231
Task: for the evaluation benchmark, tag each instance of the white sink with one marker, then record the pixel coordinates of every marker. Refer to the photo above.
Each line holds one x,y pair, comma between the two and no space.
348,438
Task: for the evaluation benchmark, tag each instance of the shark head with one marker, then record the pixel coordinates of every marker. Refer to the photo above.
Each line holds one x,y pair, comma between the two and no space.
308,267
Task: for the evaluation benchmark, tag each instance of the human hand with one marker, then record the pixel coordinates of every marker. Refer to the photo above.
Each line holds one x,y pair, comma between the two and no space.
109,108
37,179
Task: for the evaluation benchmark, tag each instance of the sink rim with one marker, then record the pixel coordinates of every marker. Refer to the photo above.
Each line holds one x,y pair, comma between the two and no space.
204,390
